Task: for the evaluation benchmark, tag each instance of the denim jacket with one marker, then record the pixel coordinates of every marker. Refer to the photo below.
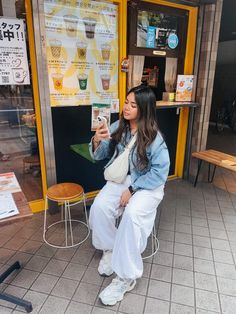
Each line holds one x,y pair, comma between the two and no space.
156,172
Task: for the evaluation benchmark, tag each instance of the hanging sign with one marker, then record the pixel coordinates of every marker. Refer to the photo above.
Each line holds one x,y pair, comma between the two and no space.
14,68
82,51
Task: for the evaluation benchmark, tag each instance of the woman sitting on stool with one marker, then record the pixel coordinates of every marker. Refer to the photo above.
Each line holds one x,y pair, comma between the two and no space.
137,197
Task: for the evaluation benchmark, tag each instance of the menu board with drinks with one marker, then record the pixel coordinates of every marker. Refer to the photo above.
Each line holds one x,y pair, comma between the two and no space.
82,51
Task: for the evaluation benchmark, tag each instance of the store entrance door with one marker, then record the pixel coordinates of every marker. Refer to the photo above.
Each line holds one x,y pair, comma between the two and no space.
21,149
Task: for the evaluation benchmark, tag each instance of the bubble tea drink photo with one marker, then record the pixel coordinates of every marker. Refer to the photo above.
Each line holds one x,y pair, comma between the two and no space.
81,49
57,81
105,49
55,46
71,22
83,79
105,78
89,24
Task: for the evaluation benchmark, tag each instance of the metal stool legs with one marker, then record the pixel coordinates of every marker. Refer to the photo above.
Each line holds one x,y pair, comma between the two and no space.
67,221
155,243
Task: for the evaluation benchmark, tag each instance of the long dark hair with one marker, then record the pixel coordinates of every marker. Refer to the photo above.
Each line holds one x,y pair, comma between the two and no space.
147,127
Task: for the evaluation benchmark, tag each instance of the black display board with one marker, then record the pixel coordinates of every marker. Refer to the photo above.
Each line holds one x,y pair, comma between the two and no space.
72,125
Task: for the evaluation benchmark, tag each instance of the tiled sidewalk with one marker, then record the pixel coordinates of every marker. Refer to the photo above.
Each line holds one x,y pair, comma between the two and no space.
194,271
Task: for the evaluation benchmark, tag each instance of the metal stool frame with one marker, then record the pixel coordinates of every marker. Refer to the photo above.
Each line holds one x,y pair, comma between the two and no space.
67,219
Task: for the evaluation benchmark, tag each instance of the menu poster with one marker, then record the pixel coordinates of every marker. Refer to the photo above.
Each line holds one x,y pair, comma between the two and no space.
9,183
82,51
14,68
102,110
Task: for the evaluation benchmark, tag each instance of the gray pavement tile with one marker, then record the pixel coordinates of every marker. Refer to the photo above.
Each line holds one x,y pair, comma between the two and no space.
220,244
46,250
212,216
225,270
181,309
204,266
233,246
231,235
230,226
132,303
152,305
218,234
183,249
15,243
162,258
228,304
65,254
183,219
82,257
44,283
78,308
198,214
55,267
203,253
92,276
166,235
213,224
200,311
96,259
23,258
146,269
223,257
37,263
25,278
65,288
159,289
30,246
36,298
74,271
207,300
54,305
86,293
229,218
205,282
201,241
5,310
183,228
141,286
183,262
183,295
227,286
182,277
5,255
200,222
202,231
161,273
165,225
183,238
166,246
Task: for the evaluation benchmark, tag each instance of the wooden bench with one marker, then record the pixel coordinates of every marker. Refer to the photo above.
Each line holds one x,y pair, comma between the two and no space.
216,158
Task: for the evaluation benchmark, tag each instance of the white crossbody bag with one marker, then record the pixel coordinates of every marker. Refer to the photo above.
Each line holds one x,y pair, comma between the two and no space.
118,169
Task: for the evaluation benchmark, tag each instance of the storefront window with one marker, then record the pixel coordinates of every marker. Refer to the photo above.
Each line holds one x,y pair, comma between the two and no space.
19,151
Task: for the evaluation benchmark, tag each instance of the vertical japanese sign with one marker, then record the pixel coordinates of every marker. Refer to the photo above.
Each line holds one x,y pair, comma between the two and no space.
82,51
14,68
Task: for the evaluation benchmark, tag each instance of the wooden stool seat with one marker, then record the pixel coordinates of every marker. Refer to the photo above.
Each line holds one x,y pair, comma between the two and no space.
68,194
65,191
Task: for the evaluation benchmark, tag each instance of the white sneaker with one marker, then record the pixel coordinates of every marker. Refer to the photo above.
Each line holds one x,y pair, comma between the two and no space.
104,267
116,290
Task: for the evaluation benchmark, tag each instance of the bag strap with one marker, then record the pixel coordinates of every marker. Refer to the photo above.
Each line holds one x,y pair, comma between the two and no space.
132,142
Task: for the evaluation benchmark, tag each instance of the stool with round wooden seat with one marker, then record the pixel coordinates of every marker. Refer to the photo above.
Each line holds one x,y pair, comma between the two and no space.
68,194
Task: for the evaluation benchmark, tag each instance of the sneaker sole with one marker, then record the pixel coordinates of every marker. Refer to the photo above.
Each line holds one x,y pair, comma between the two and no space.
121,298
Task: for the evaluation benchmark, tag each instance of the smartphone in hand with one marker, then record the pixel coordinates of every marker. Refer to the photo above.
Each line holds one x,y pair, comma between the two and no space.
102,120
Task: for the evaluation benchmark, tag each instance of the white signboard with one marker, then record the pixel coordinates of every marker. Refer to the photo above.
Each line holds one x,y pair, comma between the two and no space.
14,68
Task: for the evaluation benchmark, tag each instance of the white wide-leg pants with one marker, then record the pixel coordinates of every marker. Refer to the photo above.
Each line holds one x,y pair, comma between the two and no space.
130,239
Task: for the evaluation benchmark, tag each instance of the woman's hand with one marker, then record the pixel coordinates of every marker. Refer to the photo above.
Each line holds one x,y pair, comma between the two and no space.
126,195
101,133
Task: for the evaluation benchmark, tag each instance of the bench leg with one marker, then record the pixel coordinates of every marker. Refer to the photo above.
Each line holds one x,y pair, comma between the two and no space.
198,170
209,172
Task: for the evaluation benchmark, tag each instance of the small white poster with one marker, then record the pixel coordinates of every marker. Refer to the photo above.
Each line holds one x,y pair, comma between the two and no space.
14,69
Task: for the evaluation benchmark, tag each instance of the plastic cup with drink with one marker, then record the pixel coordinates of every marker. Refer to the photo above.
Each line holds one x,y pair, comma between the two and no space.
71,22
55,46
89,24
81,49
57,80
105,78
83,79
105,49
